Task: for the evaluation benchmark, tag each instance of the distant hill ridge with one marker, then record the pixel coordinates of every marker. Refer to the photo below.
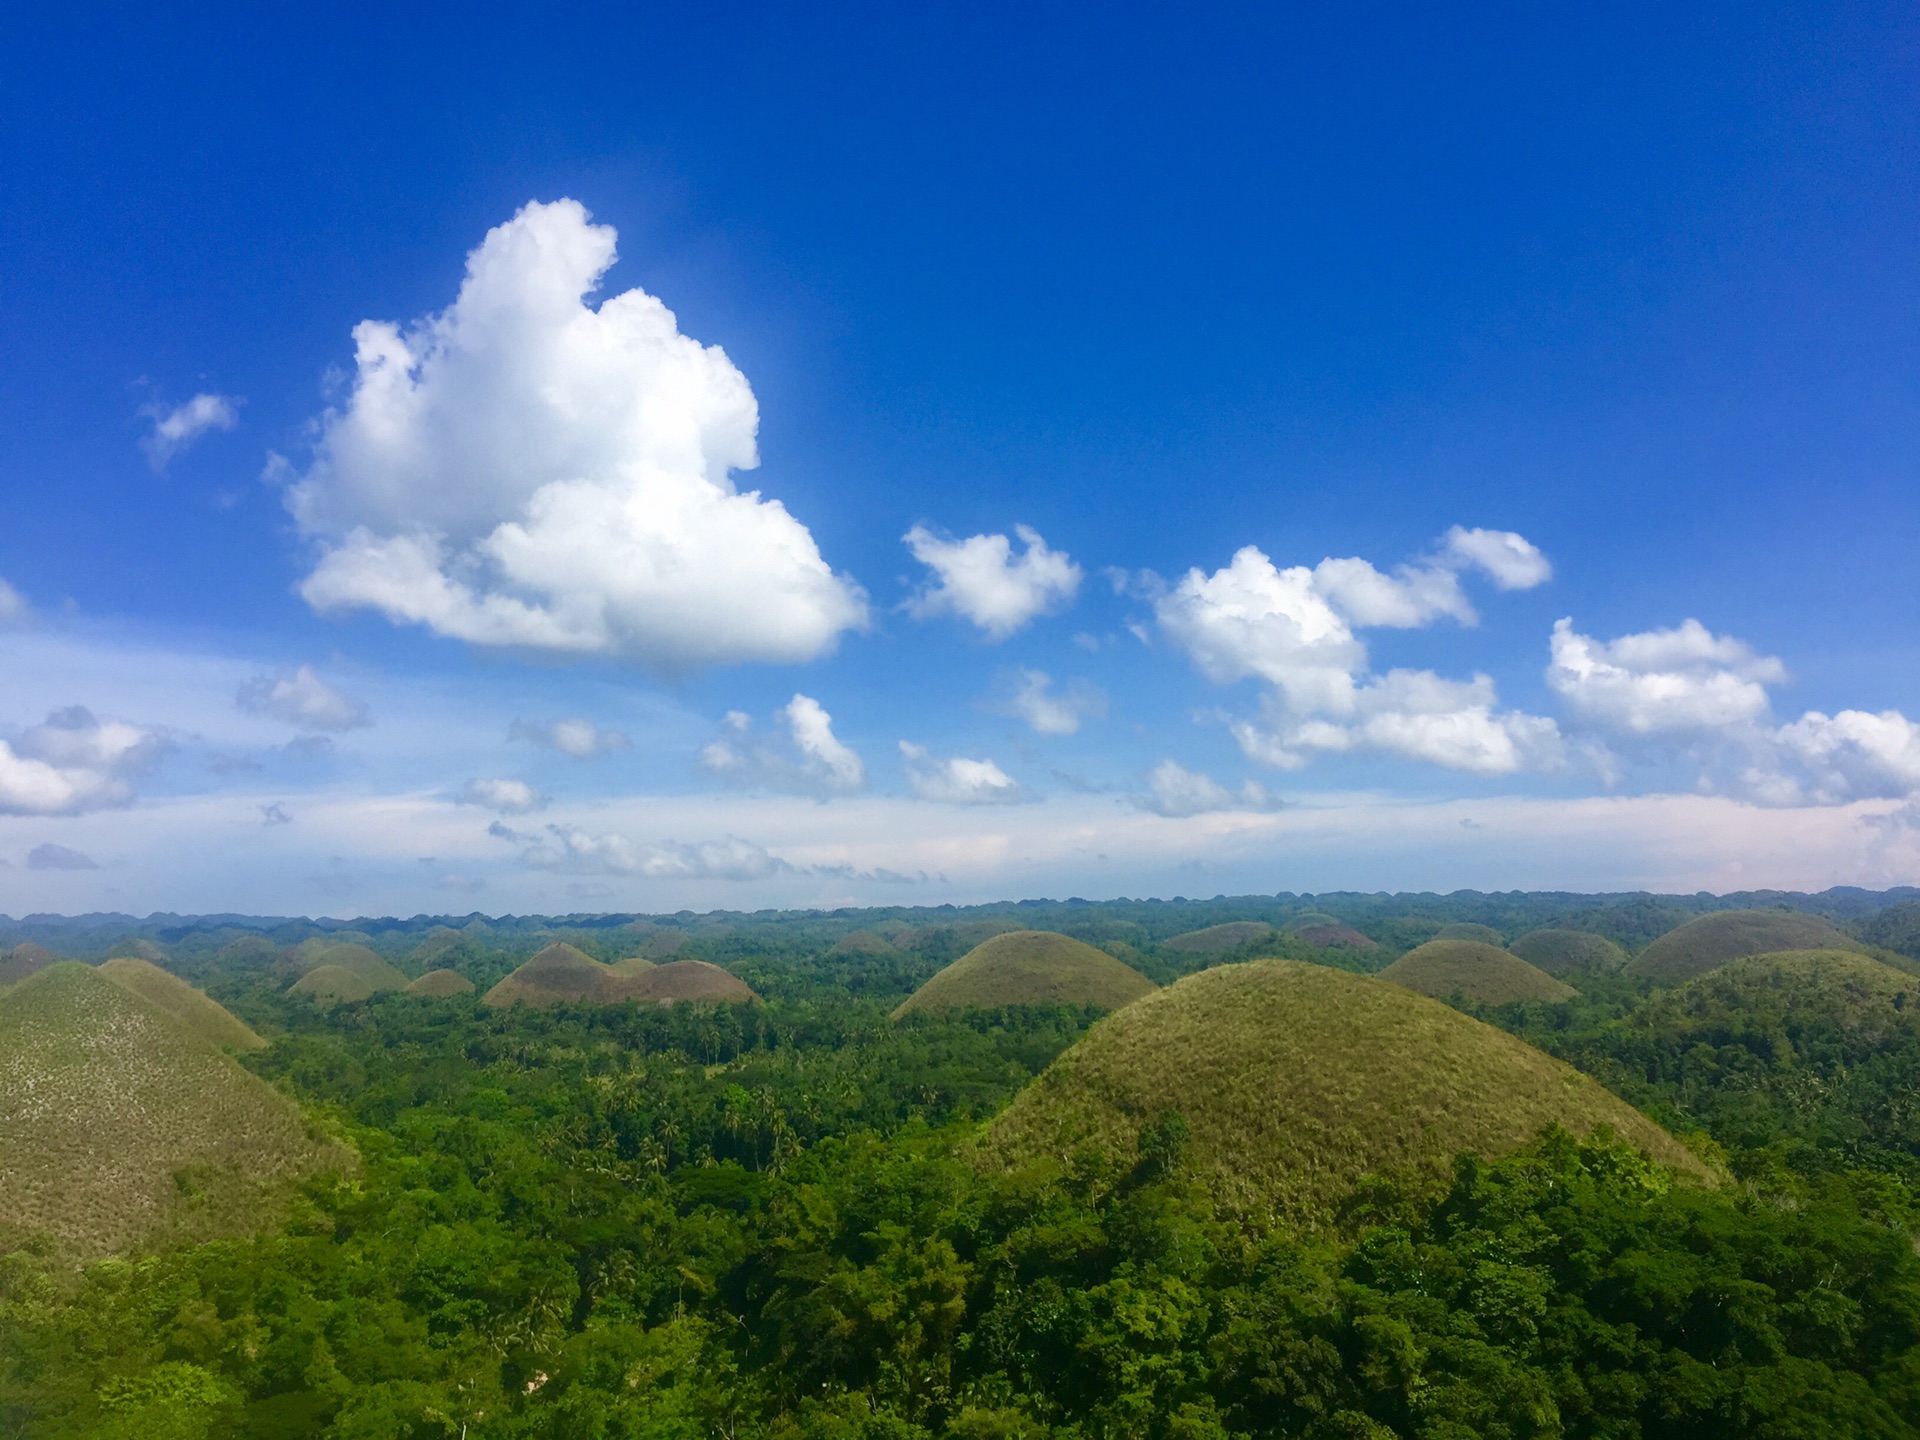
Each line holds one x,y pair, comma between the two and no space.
1294,1081
1029,967
1230,936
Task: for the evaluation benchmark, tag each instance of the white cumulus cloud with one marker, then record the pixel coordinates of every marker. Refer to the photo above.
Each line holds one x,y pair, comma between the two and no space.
958,781
981,580
1177,792
1856,753
302,698
1511,561
811,761
582,739
523,469
74,763
173,430
1052,712
509,797
1662,682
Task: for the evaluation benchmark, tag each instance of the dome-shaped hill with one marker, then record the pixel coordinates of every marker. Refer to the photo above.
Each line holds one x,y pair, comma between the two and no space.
694,980
309,956
1308,919
1559,952
441,984
119,1126
249,952
135,948
558,975
1485,974
1215,938
1700,945
632,965
23,960
1896,928
1335,937
1835,991
1029,967
1479,934
199,1012
333,985
1295,1081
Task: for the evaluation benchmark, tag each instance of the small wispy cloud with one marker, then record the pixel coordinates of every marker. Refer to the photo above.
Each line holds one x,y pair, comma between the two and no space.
582,739
177,428
302,698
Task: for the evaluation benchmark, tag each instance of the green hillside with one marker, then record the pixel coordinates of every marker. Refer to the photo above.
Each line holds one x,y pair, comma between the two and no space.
1479,934
200,1013
1029,967
120,1127
1311,919
1895,928
863,942
1795,991
441,984
1294,1081
1700,945
1559,952
632,965
557,975
334,985
138,948
694,980
1230,936
1482,973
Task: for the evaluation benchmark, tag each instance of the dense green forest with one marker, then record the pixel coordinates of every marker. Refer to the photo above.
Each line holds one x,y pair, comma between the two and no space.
765,1220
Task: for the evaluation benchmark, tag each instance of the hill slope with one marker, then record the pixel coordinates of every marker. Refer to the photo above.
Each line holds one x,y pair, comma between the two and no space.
439,984
333,985
1297,1080
199,1012
23,960
1791,991
1230,936
1480,934
1483,973
558,975
678,980
1560,951
1700,945
118,1126
1030,967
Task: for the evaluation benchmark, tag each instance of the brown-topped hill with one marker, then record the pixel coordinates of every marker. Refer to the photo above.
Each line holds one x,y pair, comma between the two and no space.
1295,1082
23,960
1215,938
441,984
1559,952
1029,967
557,975
1485,974
692,980
1710,941
1335,937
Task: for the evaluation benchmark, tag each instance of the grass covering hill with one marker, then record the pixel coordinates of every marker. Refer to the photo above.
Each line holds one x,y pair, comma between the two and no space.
1895,928
1292,1082
694,980
1335,937
560,974
1310,919
200,1013
23,960
334,985
1793,992
1230,936
1029,967
1711,940
863,942
138,948
1485,974
118,1126
1480,934
440,984
1560,952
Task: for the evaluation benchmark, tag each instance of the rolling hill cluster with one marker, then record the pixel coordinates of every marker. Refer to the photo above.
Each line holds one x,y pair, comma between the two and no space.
1322,1166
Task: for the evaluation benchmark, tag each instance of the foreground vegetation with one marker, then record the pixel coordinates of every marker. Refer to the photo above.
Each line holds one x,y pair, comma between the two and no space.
771,1220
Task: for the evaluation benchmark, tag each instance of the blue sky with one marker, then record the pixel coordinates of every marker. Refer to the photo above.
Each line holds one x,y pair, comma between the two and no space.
1015,451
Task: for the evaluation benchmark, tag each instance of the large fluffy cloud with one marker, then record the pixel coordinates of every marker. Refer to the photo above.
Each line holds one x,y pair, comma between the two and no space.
523,469
1662,682
74,763
1296,628
982,580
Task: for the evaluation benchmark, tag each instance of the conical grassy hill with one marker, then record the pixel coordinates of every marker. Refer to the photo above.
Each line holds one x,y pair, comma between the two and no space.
1230,936
1832,992
1480,934
1029,967
334,985
1700,945
119,1126
441,984
199,1012
1560,952
1485,974
1294,1082
23,960
694,980
557,975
